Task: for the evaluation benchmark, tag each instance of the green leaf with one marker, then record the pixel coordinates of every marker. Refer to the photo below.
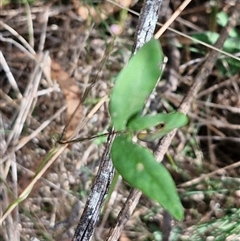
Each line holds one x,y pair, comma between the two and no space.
230,45
138,167
228,67
167,123
135,83
222,18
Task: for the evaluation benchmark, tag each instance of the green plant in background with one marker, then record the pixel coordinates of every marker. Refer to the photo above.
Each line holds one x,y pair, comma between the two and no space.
135,163
227,66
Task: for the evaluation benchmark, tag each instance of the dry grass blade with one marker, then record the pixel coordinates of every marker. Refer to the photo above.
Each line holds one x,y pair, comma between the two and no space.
25,109
211,174
47,162
171,19
25,118
9,74
185,35
217,86
19,37
28,101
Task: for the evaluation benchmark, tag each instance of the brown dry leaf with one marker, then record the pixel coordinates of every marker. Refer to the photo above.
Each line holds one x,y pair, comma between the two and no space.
72,96
101,11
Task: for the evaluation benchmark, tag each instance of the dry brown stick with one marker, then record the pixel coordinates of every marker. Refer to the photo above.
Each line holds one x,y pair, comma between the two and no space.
146,23
97,196
200,80
233,166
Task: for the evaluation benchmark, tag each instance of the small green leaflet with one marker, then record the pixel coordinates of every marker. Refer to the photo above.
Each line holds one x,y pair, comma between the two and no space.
169,122
135,83
138,167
